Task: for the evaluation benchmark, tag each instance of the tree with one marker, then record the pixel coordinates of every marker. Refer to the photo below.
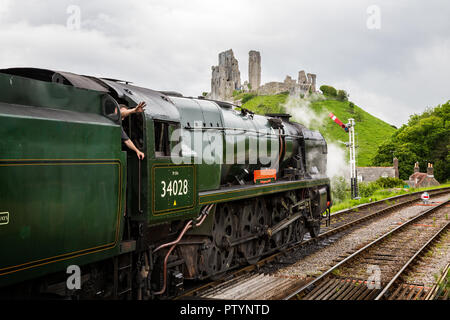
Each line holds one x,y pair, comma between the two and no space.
328,91
351,107
342,95
425,138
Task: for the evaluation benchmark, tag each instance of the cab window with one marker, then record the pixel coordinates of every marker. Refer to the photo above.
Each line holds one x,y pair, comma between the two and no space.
163,134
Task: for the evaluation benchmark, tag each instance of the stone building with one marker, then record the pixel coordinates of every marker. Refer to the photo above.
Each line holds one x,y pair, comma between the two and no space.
226,78
368,174
420,180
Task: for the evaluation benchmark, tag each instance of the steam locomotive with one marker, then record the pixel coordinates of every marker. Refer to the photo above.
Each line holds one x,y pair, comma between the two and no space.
219,187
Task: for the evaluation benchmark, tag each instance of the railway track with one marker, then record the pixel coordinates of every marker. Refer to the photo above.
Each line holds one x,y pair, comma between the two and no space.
341,222
367,209
373,272
411,282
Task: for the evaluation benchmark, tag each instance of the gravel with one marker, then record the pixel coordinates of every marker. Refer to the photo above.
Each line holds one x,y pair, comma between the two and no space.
430,267
322,260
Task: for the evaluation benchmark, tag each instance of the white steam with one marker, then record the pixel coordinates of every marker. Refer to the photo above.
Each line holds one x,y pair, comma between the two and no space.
337,164
301,111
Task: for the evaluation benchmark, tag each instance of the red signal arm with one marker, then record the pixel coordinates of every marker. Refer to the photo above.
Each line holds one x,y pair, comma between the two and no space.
339,122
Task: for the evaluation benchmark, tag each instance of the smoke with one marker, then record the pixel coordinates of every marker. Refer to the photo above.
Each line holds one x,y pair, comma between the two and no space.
337,164
302,112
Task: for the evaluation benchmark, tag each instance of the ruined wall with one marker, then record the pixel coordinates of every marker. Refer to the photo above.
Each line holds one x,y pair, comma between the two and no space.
254,69
312,82
273,88
305,84
226,77
288,85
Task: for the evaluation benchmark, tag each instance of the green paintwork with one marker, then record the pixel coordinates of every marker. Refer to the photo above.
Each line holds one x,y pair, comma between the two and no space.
63,174
28,92
62,179
207,118
239,193
174,188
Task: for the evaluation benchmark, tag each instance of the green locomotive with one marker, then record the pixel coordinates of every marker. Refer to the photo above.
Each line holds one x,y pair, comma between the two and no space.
219,186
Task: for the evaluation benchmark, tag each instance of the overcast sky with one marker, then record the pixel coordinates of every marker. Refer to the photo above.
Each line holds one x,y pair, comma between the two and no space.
392,57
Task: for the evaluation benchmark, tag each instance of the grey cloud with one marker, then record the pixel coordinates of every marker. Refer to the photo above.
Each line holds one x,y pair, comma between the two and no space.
172,44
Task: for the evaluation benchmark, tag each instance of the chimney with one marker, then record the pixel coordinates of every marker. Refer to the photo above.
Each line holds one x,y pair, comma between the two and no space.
396,174
416,167
430,170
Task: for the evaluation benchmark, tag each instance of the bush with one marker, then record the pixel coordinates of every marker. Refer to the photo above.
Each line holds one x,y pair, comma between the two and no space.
328,91
342,95
385,183
247,97
339,187
351,107
358,116
442,169
367,189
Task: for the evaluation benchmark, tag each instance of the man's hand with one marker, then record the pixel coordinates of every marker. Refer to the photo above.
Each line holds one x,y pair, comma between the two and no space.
131,146
140,107
140,155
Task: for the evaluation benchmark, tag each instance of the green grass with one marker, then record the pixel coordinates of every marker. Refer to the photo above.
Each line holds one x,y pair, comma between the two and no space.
380,195
448,281
370,131
267,104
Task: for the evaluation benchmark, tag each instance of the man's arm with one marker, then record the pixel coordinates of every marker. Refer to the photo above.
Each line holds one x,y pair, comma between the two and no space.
124,112
131,145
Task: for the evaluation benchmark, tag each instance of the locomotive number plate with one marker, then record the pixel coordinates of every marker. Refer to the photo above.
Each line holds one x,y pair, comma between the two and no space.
173,188
4,218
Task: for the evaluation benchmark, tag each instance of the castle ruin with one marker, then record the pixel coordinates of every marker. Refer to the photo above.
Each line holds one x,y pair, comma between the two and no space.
226,78
254,69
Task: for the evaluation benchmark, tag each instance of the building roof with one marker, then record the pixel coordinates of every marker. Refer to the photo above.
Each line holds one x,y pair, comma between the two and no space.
421,177
375,167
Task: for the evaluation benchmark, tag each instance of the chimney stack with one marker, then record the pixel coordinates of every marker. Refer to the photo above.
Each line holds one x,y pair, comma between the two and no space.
430,170
416,167
396,174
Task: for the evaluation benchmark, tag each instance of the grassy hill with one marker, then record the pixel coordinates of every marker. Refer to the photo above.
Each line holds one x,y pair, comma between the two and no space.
370,131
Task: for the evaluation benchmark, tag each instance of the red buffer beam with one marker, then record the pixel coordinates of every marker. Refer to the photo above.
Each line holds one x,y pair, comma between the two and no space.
339,122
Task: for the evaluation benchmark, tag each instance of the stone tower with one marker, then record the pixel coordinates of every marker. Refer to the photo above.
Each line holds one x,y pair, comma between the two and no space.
312,82
302,77
254,69
226,77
